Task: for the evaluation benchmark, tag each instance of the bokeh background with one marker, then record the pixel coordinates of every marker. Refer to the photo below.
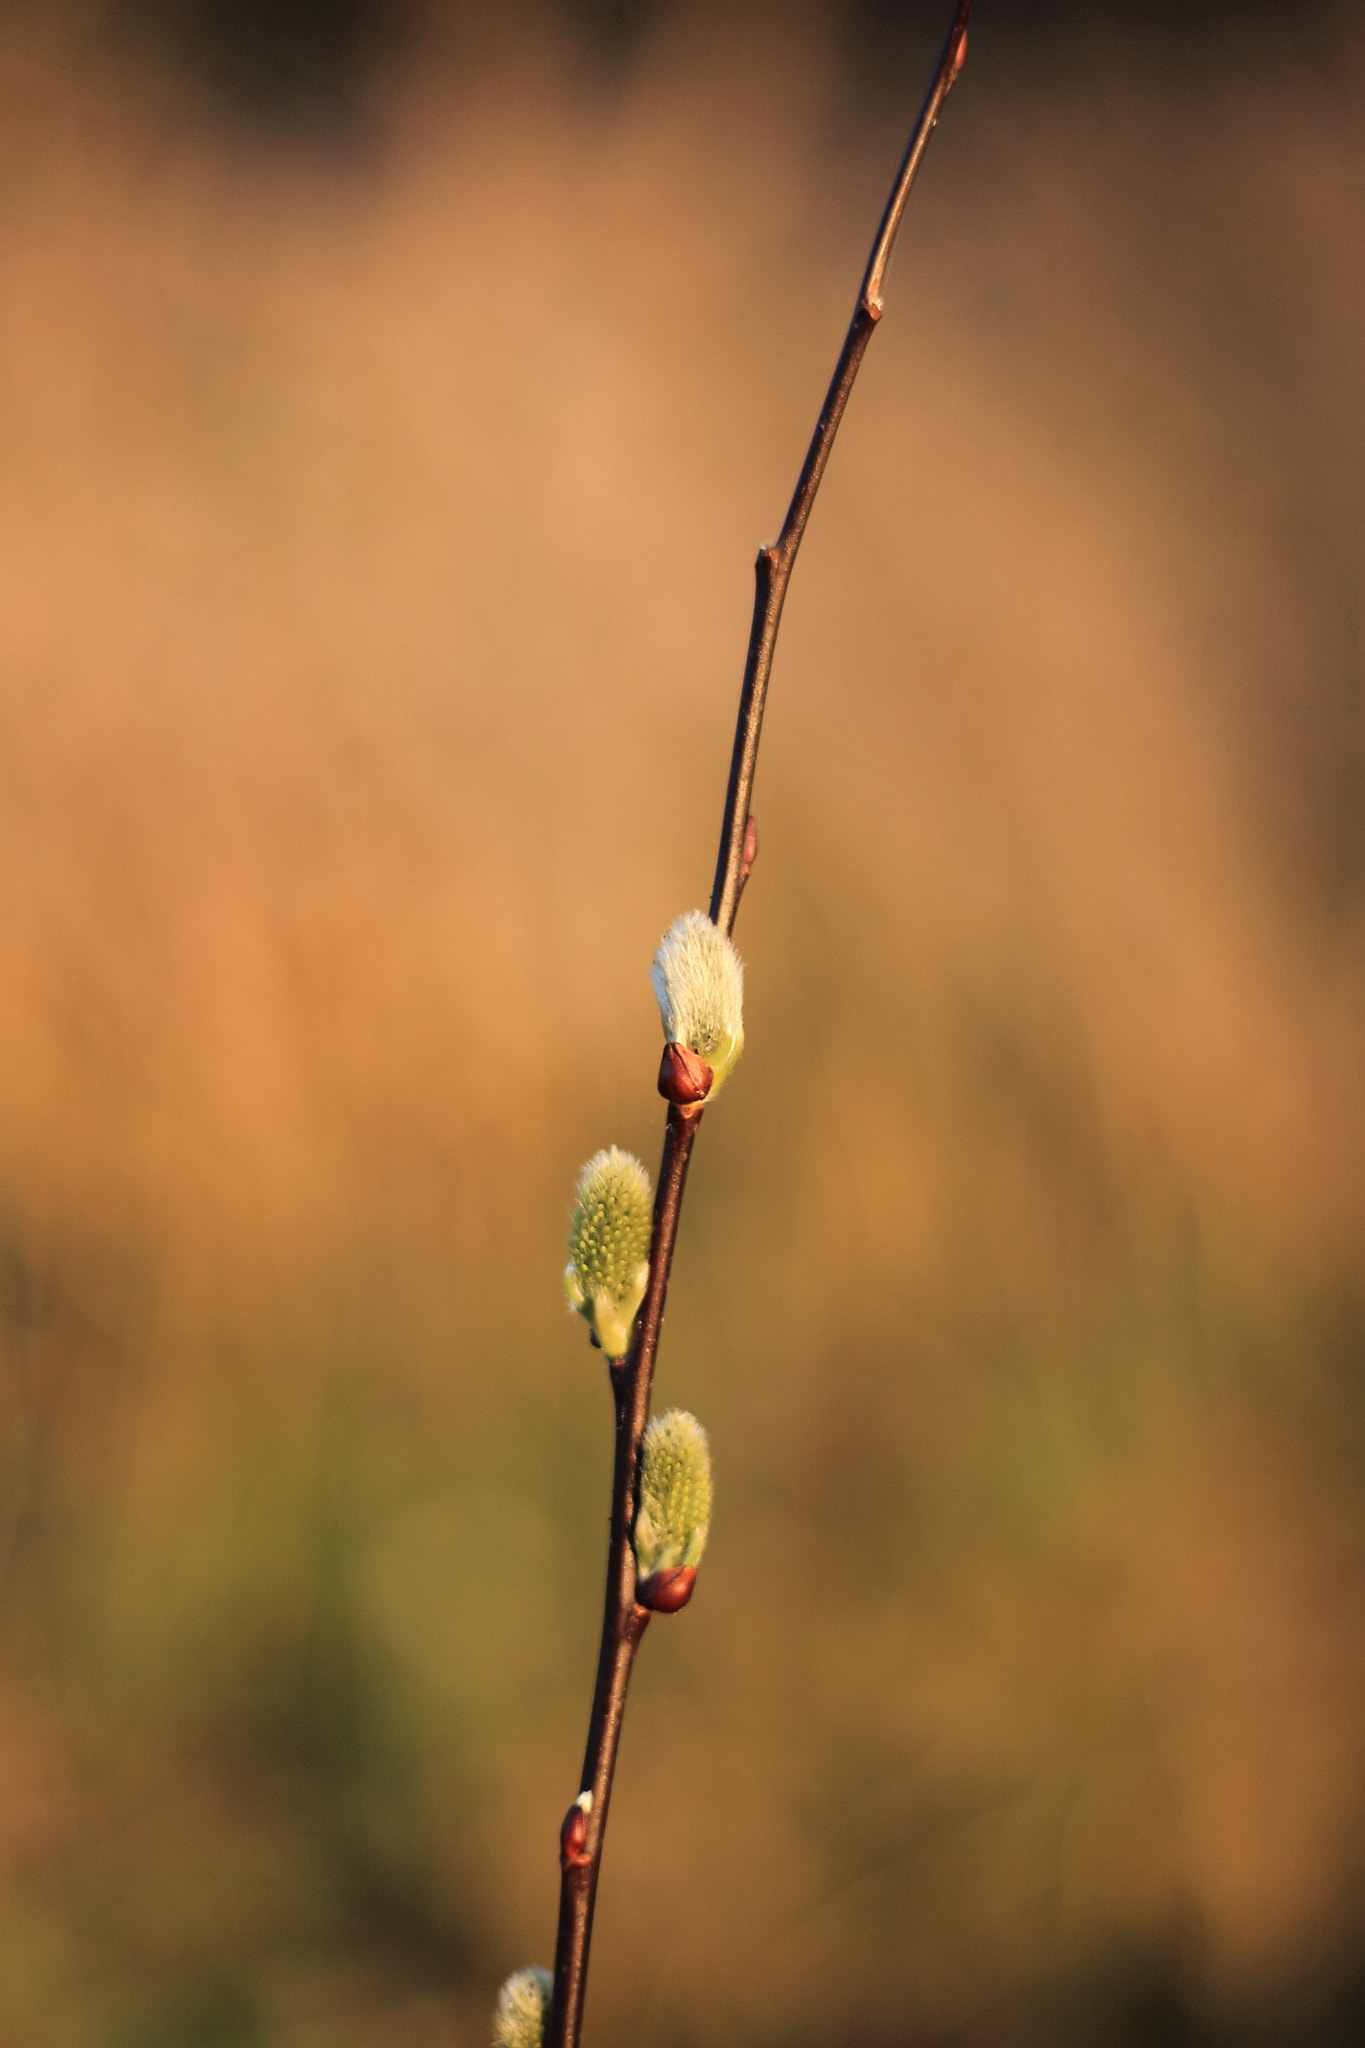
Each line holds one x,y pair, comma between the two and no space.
391,402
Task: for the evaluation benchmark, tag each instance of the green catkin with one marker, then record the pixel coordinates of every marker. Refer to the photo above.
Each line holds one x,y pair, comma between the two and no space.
675,1493
698,980
609,1246
522,2008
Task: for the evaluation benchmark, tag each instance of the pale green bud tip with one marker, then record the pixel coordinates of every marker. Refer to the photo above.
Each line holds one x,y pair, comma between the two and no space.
699,981
609,1246
522,2009
675,1494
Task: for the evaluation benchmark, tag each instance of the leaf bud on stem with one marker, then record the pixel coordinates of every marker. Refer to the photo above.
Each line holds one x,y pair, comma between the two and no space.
573,1836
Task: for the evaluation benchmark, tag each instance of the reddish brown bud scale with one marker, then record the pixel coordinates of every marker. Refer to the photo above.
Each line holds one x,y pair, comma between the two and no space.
960,53
750,842
665,1591
684,1076
573,1838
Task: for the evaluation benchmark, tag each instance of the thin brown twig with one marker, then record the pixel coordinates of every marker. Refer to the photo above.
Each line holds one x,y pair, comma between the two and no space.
624,1621
772,571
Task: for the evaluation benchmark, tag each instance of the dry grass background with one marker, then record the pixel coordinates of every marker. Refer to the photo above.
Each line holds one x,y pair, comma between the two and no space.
374,531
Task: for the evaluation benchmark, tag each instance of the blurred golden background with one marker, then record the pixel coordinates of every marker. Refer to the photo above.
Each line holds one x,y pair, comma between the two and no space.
391,405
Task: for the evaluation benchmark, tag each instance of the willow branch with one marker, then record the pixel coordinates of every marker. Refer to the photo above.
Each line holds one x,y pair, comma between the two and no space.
772,571
624,1621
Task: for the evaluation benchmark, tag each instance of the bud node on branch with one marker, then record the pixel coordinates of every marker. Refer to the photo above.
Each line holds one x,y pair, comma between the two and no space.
573,1836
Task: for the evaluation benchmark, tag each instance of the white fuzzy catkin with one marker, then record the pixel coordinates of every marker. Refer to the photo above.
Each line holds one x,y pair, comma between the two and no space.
522,2008
698,978
609,1246
674,1517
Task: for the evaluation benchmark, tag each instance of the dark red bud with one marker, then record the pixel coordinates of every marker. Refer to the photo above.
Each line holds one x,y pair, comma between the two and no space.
684,1076
667,1590
573,1838
960,53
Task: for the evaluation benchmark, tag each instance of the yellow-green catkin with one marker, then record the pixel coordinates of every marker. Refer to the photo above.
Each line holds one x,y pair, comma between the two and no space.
675,1493
699,982
522,2009
608,1267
